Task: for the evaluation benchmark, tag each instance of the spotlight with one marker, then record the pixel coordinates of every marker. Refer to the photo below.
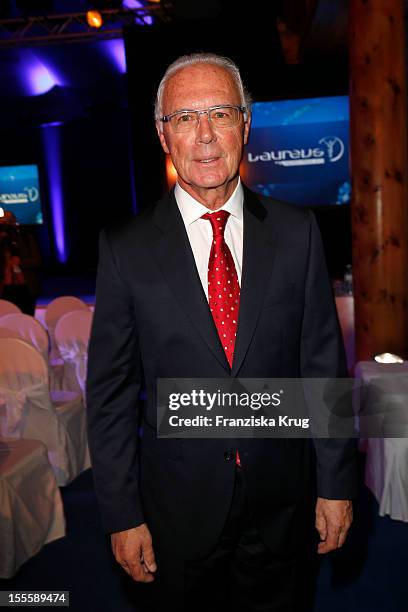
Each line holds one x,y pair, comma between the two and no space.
94,19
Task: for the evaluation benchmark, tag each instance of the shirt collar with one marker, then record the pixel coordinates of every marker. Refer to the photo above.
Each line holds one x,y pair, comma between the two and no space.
191,209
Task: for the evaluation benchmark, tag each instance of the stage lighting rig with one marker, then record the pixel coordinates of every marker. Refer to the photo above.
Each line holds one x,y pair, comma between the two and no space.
93,22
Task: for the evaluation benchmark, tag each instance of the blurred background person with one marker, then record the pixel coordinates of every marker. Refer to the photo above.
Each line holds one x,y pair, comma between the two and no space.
20,261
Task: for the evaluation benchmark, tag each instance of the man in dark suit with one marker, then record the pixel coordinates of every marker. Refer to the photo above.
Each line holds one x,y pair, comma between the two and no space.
217,523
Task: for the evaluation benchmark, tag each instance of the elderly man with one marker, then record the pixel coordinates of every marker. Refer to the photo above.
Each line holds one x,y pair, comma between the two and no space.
215,523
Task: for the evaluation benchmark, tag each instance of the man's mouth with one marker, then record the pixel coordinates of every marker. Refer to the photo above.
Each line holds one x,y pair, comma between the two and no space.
207,160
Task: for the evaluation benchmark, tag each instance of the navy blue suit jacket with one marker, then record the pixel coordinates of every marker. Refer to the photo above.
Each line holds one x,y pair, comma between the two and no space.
152,319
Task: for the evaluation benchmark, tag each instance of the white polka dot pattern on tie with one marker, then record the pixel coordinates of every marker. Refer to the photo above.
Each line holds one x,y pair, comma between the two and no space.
222,275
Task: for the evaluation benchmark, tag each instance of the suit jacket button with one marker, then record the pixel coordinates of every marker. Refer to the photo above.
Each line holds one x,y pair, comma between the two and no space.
229,456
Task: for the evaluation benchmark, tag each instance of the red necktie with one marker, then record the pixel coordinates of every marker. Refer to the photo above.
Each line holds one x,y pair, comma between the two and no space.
223,286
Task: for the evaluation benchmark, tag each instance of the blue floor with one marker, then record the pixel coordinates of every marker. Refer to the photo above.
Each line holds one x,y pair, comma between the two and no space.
369,575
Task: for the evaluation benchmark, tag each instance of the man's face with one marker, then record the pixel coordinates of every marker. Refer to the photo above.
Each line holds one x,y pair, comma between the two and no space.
204,157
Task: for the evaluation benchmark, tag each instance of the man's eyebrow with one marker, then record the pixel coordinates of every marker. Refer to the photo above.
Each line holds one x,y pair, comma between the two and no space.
194,110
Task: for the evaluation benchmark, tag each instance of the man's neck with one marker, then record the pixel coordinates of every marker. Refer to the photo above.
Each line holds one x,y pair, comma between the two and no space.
212,199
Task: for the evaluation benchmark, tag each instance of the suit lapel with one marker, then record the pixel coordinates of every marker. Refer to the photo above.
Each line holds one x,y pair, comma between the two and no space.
176,260
257,261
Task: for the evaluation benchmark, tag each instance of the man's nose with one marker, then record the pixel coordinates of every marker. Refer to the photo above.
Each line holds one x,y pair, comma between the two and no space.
204,133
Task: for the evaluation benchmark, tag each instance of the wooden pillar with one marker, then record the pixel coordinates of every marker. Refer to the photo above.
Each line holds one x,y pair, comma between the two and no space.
379,176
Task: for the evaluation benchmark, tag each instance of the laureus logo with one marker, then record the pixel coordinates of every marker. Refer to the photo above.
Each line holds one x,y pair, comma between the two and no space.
335,147
331,150
27,195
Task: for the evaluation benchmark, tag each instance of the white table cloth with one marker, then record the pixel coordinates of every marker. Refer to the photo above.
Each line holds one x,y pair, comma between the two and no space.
31,511
384,391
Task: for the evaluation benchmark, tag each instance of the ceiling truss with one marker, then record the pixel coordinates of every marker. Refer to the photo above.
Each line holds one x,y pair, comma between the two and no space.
46,29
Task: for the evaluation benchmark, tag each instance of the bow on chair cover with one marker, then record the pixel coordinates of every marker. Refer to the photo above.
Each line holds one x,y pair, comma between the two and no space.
57,419
15,403
16,422
76,353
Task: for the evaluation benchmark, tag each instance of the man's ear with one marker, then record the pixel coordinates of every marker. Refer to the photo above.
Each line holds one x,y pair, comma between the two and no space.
247,126
162,137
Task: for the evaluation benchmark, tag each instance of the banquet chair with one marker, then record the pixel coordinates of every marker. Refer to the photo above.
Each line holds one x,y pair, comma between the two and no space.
5,332
72,334
7,307
31,510
31,410
53,312
29,329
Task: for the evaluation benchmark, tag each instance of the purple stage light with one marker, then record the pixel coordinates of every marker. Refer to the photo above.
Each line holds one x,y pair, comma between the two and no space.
52,156
38,77
115,50
51,124
133,4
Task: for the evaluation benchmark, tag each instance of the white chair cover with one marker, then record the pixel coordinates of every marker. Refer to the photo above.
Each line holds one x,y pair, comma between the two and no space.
30,501
386,473
29,330
54,311
58,420
7,307
33,332
72,334
11,418
8,333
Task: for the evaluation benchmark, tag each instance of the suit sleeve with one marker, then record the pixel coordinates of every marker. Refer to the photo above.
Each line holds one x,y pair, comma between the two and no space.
113,385
322,356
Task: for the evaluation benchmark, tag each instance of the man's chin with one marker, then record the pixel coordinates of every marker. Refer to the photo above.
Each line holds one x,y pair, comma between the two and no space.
209,181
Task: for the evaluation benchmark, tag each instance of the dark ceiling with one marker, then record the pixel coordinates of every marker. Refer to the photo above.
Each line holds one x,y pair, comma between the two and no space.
60,82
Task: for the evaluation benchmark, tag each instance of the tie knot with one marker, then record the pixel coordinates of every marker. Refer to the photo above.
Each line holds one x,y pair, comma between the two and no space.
218,221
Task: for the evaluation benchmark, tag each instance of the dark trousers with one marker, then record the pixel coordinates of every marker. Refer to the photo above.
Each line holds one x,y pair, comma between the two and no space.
241,575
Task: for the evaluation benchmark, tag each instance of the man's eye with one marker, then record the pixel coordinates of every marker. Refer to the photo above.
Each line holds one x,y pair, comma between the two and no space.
220,114
186,118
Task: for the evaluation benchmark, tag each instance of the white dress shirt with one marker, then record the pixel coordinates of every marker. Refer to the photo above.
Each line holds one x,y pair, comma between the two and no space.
200,234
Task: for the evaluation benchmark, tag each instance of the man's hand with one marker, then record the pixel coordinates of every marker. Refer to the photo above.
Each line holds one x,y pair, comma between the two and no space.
333,520
133,550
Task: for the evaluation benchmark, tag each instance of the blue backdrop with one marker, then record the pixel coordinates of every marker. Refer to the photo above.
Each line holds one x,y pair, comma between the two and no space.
20,193
298,150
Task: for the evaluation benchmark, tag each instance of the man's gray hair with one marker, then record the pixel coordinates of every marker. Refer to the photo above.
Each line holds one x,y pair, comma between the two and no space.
201,58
